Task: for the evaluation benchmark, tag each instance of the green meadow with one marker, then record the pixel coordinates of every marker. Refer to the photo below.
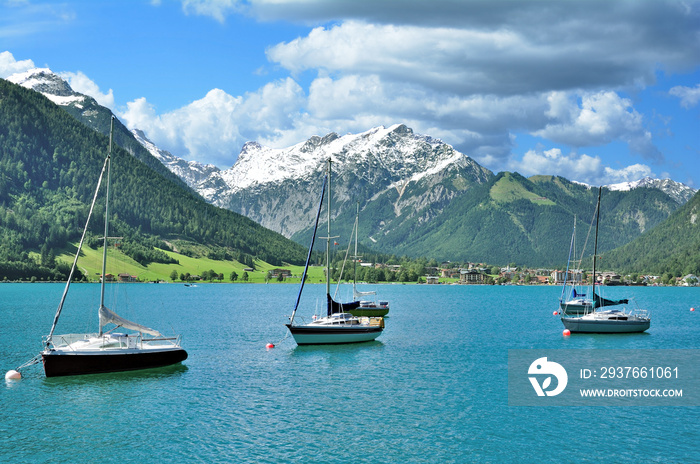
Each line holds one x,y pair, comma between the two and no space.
90,264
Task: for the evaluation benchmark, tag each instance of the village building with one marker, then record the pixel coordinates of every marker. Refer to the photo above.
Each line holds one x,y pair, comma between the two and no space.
471,276
450,273
571,277
127,278
281,272
609,278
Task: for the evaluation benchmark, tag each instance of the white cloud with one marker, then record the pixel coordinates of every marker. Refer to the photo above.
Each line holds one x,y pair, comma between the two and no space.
217,9
462,61
579,167
9,66
627,174
83,84
471,73
214,128
689,96
599,119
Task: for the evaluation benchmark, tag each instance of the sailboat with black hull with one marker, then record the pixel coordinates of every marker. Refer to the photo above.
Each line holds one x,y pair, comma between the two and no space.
106,351
597,318
367,307
338,326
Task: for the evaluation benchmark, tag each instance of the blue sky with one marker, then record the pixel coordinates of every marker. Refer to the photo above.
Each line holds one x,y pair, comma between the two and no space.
598,91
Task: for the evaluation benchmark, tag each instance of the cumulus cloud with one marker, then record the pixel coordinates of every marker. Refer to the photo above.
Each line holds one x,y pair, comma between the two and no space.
462,61
83,84
486,47
600,118
472,73
579,167
689,96
214,128
9,66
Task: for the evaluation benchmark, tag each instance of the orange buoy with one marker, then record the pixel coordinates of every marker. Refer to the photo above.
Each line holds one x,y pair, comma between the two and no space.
692,309
555,313
13,375
269,345
566,332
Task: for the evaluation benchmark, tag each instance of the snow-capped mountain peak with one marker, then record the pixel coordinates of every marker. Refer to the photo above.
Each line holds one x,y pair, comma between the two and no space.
681,193
50,84
191,172
389,147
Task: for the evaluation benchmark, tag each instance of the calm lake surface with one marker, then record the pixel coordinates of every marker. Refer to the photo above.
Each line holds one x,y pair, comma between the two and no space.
432,388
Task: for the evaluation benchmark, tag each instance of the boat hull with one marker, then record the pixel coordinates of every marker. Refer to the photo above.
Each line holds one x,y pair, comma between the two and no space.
577,325
369,311
61,363
333,335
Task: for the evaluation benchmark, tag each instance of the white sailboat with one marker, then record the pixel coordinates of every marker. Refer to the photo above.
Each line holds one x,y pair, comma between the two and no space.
337,326
572,300
596,318
101,352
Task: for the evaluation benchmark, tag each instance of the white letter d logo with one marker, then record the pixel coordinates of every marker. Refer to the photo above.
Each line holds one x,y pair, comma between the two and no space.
542,366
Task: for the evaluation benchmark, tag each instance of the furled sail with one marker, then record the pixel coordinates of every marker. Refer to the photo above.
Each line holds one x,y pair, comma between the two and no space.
334,307
600,301
108,316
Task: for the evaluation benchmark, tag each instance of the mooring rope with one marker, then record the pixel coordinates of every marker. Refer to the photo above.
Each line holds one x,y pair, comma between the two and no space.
35,360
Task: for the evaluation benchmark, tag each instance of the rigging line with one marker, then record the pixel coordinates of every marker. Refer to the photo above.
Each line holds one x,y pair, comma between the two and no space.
568,261
311,246
342,269
585,243
77,254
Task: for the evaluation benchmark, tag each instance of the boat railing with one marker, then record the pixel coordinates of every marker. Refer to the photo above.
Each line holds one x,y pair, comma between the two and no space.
175,341
112,340
635,310
640,313
65,340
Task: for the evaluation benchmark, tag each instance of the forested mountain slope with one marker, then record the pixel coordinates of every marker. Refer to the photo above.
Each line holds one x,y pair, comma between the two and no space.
49,165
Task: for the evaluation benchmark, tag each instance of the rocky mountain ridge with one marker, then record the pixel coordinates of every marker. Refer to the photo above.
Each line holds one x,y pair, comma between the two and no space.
416,193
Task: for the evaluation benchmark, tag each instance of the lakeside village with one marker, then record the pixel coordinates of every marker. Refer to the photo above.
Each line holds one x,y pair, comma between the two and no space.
482,274
471,274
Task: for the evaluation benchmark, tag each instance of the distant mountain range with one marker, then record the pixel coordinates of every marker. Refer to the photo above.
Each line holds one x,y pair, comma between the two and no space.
418,195
421,197
672,247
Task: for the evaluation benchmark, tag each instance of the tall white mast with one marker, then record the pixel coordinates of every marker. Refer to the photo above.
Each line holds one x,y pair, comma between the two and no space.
328,239
104,243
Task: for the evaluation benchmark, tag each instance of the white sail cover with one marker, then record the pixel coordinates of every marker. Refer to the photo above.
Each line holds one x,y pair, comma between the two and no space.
107,316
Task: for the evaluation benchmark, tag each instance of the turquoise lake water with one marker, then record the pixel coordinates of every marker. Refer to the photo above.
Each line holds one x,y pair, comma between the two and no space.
432,388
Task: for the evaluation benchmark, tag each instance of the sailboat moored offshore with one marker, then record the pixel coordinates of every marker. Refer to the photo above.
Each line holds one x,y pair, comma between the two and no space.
597,318
101,352
338,326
